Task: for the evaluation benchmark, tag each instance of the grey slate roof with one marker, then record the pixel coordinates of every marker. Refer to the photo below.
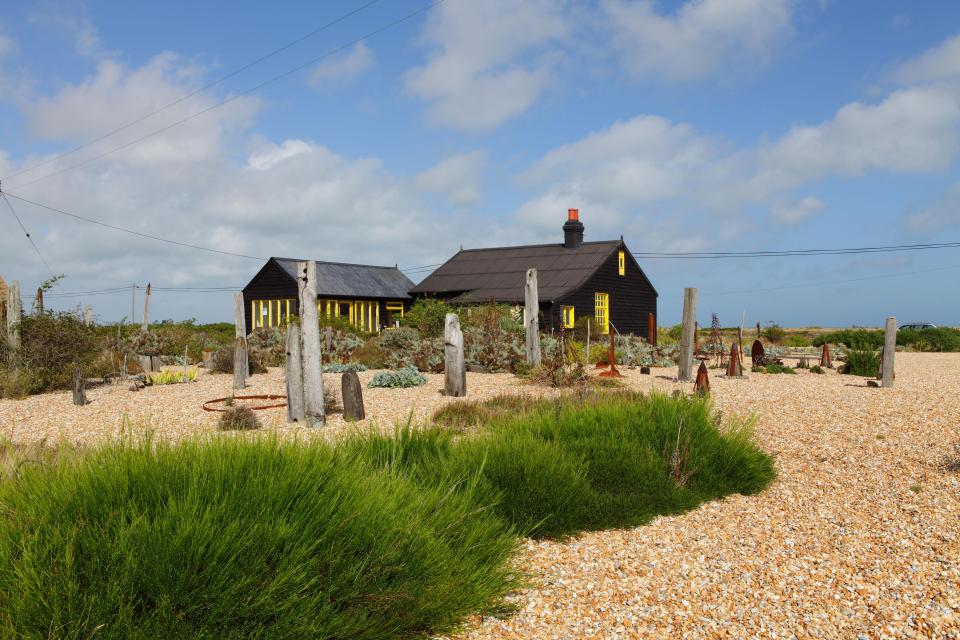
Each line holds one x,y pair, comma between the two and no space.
499,273
338,279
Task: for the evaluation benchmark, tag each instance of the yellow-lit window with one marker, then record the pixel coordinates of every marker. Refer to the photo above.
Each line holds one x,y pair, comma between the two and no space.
395,308
568,317
622,263
269,313
601,312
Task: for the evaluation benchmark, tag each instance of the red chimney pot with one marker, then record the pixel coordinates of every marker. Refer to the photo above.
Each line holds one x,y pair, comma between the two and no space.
573,214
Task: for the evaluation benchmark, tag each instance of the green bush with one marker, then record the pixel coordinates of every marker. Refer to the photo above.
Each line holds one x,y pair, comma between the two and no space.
852,338
817,369
774,368
51,345
238,418
941,339
405,377
243,538
427,316
862,362
796,341
774,333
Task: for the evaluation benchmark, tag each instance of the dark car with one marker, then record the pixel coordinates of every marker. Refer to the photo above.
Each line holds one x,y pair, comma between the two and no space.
917,326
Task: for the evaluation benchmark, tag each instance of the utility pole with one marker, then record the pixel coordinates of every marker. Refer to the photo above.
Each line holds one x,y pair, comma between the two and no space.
133,303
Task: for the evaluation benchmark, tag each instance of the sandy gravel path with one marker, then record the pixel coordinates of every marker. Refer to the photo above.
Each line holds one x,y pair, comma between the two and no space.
859,536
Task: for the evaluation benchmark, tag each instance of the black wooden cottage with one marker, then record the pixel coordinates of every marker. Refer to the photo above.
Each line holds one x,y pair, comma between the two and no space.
575,278
368,297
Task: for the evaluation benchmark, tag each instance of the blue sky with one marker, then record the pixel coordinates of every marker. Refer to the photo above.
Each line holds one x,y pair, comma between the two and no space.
709,125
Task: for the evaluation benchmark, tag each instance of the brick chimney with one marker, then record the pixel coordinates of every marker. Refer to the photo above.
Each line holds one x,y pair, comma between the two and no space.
572,230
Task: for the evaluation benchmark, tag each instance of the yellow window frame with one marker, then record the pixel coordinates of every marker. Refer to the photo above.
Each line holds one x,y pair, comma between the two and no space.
568,317
622,263
601,312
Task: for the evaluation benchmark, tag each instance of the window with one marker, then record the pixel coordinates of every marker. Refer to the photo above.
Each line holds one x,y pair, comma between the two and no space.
394,312
269,313
568,320
601,312
622,263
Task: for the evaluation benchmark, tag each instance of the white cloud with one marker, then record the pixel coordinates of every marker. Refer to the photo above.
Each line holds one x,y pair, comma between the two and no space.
78,27
7,45
941,62
457,177
344,68
945,212
792,213
476,76
701,37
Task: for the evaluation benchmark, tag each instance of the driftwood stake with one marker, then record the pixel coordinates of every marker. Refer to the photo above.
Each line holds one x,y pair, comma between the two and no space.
889,352
313,403
241,361
145,324
532,307
352,396
14,315
455,373
79,387
684,372
293,374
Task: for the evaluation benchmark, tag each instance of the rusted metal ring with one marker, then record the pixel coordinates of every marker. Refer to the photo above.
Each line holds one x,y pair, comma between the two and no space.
257,408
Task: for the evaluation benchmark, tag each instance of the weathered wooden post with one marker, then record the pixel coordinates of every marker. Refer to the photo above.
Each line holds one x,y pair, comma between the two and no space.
79,387
352,392
293,374
313,403
889,350
651,330
532,308
14,315
39,302
241,360
145,325
455,373
88,315
684,372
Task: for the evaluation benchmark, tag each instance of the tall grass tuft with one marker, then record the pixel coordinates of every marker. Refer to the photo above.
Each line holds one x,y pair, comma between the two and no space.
243,538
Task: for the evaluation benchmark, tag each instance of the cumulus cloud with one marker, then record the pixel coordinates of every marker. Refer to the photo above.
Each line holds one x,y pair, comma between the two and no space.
340,70
938,63
477,78
945,212
701,37
792,213
457,177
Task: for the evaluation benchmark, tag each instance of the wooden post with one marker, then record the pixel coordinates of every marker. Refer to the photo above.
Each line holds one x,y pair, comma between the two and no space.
352,392
889,350
79,387
455,373
88,315
313,404
186,378
651,330
293,373
586,355
241,359
686,337
532,307
145,325
14,315
39,302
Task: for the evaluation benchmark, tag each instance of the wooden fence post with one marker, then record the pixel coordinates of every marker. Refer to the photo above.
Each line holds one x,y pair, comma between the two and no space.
79,387
586,355
145,325
889,350
14,315
532,307
241,359
88,315
313,403
685,372
651,330
39,303
293,373
455,374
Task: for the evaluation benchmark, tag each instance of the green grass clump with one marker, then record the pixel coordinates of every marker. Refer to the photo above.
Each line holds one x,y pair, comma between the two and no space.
774,368
862,362
817,369
243,538
852,338
591,461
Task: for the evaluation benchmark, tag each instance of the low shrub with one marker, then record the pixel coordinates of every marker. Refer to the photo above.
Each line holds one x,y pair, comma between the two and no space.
774,333
774,368
404,347
244,538
238,418
427,316
940,339
796,341
17,383
222,362
369,355
405,377
817,369
852,338
861,362
342,368
52,344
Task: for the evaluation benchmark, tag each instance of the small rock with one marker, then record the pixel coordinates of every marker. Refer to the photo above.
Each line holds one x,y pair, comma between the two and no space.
645,370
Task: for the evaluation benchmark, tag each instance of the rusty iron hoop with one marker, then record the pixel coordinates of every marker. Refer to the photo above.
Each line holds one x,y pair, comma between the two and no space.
258,408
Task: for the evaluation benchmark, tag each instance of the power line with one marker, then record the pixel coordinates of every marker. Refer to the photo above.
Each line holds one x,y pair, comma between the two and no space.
239,95
131,231
27,233
798,252
206,87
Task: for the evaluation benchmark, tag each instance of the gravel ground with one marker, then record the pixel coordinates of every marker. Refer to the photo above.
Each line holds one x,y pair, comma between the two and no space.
859,536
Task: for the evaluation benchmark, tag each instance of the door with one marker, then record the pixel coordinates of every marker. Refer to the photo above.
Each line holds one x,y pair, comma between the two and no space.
601,312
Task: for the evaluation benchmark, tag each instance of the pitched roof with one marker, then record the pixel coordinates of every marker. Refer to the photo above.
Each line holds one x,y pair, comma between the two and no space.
361,280
499,273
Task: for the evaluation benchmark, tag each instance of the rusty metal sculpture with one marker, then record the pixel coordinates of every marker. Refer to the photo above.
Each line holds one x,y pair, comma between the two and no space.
735,369
825,360
757,354
612,358
716,339
208,405
702,385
